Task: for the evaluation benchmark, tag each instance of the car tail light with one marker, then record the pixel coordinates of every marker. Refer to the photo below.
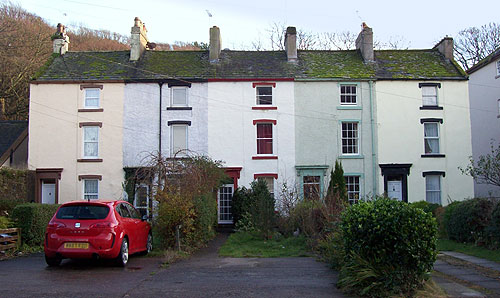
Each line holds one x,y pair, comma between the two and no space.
101,225
56,224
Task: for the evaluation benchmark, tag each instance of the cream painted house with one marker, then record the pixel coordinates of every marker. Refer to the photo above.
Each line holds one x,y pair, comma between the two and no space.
282,116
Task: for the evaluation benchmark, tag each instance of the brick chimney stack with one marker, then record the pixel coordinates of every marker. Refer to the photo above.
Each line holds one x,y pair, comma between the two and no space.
364,43
445,47
60,41
138,39
291,44
215,44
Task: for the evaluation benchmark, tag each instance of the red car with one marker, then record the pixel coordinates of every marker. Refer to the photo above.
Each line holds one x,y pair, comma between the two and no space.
96,229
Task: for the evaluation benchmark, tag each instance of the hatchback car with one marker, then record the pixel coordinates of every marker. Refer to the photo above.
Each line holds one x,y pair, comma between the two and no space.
96,229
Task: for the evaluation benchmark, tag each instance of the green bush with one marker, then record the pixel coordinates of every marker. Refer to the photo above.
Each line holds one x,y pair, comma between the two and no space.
427,207
309,217
331,249
4,222
467,220
242,203
205,221
33,218
493,228
390,247
174,210
16,188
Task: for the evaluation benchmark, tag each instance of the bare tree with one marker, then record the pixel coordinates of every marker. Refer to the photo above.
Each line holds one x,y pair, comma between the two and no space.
474,44
344,40
486,168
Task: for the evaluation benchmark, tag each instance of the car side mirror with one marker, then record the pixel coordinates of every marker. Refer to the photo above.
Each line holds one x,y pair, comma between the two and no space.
144,218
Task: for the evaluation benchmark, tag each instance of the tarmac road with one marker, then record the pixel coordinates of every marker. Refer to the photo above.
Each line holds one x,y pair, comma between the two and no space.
203,275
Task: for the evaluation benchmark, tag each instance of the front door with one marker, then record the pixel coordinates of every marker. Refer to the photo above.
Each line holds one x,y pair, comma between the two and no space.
224,201
48,193
394,189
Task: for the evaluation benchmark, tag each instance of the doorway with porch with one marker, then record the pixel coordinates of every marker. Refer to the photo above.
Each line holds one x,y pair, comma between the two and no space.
396,180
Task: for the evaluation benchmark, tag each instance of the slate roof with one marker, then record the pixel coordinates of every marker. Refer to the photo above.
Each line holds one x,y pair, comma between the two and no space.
9,132
390,64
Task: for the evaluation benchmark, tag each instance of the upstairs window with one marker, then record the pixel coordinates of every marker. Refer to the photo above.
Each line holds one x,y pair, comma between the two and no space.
92,96
429,96
264,95
264,138
348,95
90,141
179,96
350,138
431,138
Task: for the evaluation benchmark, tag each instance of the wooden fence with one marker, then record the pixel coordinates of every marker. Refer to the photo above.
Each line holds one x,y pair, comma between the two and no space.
9,238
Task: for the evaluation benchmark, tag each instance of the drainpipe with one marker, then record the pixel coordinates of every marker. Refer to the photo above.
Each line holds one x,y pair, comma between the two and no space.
159,124
374,154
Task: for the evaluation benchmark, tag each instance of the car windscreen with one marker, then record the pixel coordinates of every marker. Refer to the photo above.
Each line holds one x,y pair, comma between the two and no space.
82,212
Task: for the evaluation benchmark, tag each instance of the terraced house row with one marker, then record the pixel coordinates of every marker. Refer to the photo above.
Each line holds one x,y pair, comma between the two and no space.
398,120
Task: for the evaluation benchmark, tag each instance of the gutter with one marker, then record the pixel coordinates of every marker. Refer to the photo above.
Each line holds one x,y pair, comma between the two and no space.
374,154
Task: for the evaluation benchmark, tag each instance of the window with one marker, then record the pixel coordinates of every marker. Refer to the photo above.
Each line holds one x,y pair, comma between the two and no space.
429,96
352,185
264,138
270,184
92,98
312,187
264,95
179,96
350,141
433,189
90,141
498,103
179,139
348,95
141,200
90,189
431,138
498,68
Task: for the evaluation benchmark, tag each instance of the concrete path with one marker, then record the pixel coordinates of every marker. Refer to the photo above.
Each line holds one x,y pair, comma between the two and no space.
467,270
207,275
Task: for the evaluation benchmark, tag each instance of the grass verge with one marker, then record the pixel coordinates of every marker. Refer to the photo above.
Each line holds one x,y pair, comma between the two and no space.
246,244
469,249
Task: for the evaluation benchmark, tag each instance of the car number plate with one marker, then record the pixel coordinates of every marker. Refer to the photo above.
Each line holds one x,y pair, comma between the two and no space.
80,245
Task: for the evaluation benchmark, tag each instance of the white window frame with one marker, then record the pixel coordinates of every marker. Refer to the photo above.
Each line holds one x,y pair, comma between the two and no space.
428,191
498,103
136,197
272,139
351,194
434,98
498,68
84,141
257,102
90,193
348,94
433,138
183,151
172,90
358,147
86,96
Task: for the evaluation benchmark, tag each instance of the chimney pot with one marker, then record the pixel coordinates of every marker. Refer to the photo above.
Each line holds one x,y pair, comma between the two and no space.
138,39
364,43
215,44
291,44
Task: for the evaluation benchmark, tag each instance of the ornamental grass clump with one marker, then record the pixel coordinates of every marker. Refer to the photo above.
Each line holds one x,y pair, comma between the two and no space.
390,248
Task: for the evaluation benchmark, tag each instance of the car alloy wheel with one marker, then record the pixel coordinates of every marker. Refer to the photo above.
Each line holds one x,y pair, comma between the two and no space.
123,256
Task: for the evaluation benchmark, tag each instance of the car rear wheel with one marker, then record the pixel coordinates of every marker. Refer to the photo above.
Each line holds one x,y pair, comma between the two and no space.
149,245
122,258
53,262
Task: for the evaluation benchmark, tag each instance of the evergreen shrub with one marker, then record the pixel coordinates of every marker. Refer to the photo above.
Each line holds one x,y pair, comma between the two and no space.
33,218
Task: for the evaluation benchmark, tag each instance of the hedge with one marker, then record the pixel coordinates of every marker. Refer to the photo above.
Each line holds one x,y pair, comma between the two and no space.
33,218
466,221
16,187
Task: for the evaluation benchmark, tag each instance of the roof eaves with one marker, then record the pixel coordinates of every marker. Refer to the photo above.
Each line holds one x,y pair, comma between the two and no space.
485,61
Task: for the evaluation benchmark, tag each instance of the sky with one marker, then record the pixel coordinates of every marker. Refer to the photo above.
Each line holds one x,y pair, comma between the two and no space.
420,24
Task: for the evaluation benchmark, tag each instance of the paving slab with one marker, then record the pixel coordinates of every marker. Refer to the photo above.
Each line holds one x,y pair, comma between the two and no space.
454,289
474,260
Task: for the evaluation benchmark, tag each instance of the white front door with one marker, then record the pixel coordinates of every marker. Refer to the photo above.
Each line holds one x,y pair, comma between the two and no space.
394,189
224,201
48,193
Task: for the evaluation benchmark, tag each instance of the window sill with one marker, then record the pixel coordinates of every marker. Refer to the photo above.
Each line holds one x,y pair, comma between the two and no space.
431,108
351,157
264,157
433,155
264,108
179,108
91,110
349,107
89,160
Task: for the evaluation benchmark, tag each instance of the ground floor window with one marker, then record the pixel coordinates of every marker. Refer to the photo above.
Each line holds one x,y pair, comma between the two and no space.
353,188
311,187
433,189
141,200
270,184
90,189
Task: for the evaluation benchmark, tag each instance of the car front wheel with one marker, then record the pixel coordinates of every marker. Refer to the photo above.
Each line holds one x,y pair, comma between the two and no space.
53,262
122,258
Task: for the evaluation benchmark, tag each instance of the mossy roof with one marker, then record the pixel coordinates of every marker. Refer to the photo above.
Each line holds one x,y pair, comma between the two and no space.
195,65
